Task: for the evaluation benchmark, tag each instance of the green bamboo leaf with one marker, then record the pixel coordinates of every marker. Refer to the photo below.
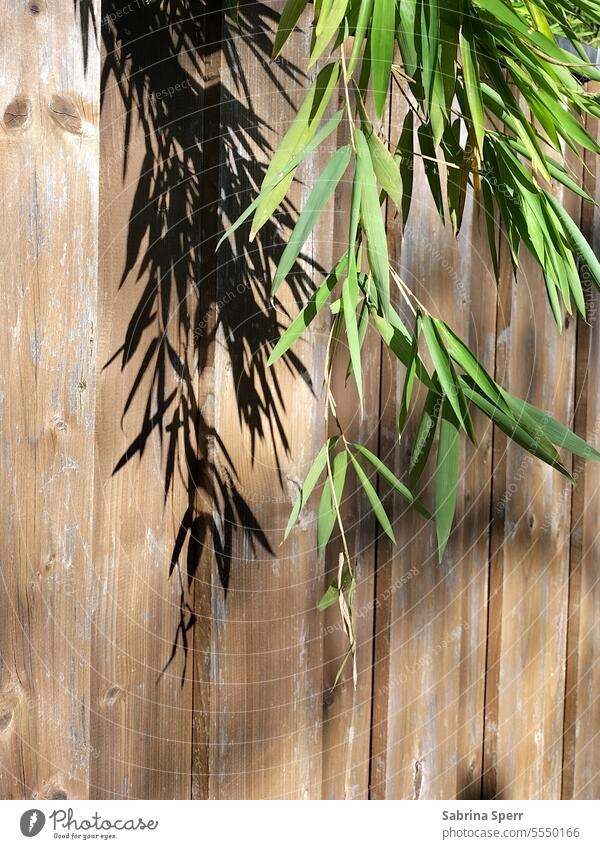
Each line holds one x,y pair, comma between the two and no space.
364,16
387,474
349,304
505,15
303,128
332,593
557,433
432,171
406,152
374,501
383,31
467,360
317,200
373,225
425,434
536,444
578,241
327,513
287,23
406,35
305,317
446,374
326,130
446,476
409,379
471,76
385,165
327,25
310,481
430,38
490,224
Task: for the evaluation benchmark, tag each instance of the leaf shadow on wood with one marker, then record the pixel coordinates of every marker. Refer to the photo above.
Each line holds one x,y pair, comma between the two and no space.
198,173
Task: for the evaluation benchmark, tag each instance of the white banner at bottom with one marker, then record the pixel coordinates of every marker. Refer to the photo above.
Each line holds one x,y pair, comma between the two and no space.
301,825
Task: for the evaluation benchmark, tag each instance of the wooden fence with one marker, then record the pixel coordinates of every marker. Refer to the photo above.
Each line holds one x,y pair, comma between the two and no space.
156,641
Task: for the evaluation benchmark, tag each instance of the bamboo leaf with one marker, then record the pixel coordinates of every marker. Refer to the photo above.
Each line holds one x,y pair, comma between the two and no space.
287,23
303,128
305,317
446,476
383,31
364,16
387,474
578,241
328,128
333,591
327,513
406,35
328,23
373,226
557,433
425,434
374,501
521,435
349,304
432,171
310,481
471,77
317,200
409,379
406,152
446,374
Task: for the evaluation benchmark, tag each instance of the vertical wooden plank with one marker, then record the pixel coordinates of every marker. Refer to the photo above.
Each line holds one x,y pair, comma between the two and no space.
529,554
266,699
430,620
581,776
49,214
148,443
347,708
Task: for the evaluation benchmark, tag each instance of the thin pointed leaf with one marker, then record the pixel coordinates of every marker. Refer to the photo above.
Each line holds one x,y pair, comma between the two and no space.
446,374
576,238
425,435
310,481
409,379
374,501
287,23
303,128
317,200
364,16
446,476
327,512
383,32
326,130
306,316
373,225
387,474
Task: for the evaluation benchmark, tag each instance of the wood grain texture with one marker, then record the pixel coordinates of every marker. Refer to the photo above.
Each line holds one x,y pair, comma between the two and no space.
157,640
580,771
430,619
530,554
146,408
49,218
266,677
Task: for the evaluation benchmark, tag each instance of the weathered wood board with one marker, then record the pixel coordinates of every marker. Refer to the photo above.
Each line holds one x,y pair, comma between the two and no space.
49,221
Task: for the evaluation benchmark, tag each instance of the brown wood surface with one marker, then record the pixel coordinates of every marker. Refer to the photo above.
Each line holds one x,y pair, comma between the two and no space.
49,222
266,677
430,623
531,508
157,640
149,237
581,774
